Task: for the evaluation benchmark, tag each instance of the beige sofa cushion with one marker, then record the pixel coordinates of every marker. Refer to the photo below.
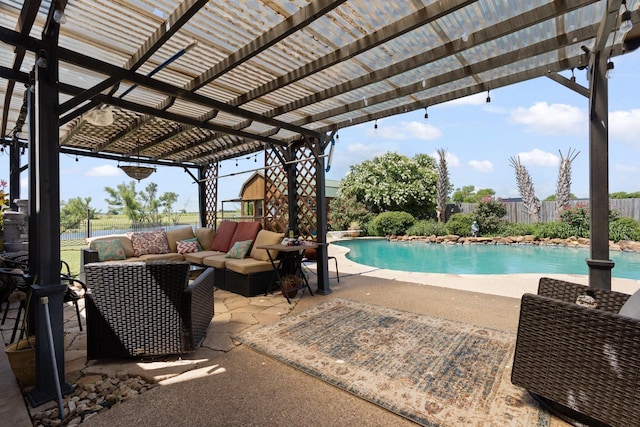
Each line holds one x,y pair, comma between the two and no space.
205,236
161,257
126,242
249,265
197,257
182,233
215,261
265,237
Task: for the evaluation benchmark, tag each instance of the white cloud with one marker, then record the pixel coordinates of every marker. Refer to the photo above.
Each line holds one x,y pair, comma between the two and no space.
623,125
367,150
554,119
537,157
484,166
407,130
104,170
452,159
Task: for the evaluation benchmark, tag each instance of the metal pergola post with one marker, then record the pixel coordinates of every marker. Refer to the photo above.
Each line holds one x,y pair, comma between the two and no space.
292,187
599,263
321,221
44,224
14,172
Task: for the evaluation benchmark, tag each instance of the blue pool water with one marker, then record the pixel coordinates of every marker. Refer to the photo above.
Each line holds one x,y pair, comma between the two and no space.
482,259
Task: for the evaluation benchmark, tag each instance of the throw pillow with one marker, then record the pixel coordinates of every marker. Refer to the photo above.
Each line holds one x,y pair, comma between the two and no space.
182,233
188,246
108,250
631,308
265,237
149,242
222,241
239,249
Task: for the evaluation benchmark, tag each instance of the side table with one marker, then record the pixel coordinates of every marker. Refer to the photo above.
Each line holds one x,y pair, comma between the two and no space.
293,256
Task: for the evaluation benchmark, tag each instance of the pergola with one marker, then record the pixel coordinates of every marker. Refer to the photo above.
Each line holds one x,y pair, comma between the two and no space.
191,83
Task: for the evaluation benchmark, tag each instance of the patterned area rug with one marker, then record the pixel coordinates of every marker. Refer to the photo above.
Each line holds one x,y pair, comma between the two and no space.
433,371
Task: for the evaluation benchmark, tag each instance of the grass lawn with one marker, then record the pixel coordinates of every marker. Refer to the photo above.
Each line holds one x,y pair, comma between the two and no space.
71,255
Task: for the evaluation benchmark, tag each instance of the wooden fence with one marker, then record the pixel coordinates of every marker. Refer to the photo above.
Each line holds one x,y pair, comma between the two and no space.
516,212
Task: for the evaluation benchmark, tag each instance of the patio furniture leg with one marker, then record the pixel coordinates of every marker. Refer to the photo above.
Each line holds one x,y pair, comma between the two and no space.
336,261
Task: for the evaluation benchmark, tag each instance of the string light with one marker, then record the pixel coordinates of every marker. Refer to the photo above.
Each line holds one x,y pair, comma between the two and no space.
375,125
625,19
573,77
609,72
426,115
488,97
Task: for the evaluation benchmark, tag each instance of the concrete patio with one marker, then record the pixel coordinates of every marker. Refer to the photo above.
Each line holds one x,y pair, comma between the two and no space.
225,383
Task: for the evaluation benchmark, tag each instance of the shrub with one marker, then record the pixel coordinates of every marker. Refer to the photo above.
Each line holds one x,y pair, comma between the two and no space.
555,229
345,210
391,223
460,224
576,217
427,228
490,216
511,229
624,228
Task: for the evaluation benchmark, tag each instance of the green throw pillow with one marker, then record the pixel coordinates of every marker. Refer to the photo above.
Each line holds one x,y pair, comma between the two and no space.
109,250
239,249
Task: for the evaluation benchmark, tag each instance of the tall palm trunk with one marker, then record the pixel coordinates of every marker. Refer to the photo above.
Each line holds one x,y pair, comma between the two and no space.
525,186
444,187
563,189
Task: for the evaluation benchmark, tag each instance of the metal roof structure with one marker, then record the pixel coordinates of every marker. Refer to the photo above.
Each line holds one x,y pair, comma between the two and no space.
195,82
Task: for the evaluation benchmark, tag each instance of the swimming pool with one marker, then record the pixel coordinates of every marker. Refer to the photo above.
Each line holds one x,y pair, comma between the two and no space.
482,259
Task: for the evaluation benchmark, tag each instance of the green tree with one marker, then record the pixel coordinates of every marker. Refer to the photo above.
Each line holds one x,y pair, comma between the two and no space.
150,204
343,210
394,182
124,199
552,198
74,211
485,195
625,195
466,194
167,200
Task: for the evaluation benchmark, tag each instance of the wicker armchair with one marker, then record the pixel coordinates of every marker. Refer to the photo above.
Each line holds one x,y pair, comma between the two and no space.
143,309
582,363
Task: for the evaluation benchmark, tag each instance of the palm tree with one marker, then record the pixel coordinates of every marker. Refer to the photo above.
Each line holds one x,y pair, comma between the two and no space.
443,187
563,189
525,186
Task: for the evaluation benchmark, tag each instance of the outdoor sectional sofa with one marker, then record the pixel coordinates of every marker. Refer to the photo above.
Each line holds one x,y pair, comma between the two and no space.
239,266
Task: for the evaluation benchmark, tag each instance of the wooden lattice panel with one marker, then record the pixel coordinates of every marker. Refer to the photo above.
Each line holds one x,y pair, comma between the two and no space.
211,196
276,192
276,214
306,184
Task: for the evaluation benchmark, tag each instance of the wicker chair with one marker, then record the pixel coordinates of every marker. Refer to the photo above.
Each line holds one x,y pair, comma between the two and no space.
582,363
140,309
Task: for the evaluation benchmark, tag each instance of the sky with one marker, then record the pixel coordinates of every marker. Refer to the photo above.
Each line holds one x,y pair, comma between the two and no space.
537,121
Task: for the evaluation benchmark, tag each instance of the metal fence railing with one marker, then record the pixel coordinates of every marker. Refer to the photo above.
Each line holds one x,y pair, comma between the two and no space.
79,233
